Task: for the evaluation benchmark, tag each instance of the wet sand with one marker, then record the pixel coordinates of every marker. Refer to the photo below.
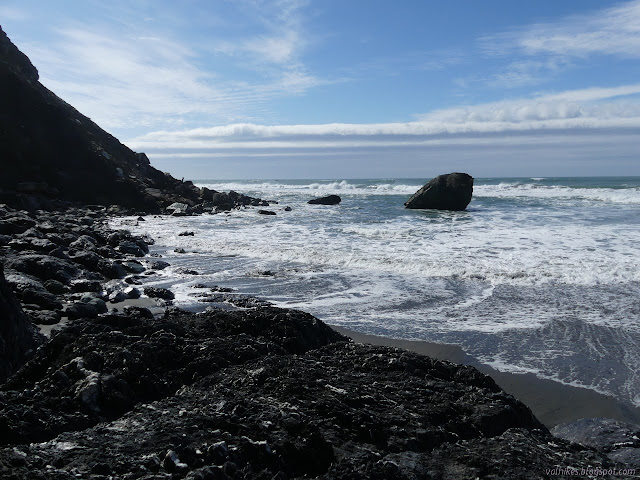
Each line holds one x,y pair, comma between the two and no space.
553,403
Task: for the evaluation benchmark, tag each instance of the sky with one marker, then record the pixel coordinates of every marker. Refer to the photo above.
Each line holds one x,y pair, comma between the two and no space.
240,89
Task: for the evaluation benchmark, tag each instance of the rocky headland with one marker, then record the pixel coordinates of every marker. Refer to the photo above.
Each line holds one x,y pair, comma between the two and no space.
245,391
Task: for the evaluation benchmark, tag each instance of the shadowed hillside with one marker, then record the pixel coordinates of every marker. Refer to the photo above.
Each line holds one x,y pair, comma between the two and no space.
50,150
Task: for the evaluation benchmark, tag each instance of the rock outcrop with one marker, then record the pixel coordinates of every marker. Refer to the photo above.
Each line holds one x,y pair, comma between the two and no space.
327,200
18,337
446,192
260,393
67,263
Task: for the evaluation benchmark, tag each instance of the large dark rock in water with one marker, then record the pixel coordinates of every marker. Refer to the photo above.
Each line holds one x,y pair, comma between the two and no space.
51,152
446,192
328,200
18,337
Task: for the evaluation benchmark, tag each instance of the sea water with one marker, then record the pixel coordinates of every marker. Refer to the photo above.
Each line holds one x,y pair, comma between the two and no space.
538,275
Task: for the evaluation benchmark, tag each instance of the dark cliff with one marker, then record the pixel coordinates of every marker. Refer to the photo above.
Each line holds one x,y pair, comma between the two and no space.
49,150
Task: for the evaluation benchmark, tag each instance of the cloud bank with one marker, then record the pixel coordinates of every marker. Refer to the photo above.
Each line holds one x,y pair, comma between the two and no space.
593,131
579,110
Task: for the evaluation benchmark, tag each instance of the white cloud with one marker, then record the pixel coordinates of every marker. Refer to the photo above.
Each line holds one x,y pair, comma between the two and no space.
279,49
139,80
546,49
123,81
611,31
596,107
528,72
283,39
8,12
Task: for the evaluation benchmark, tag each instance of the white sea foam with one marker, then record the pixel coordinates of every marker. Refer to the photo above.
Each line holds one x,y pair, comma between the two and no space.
498,251
505,189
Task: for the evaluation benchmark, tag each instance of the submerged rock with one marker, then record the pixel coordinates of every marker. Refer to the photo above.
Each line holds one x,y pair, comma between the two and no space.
446,192
328,200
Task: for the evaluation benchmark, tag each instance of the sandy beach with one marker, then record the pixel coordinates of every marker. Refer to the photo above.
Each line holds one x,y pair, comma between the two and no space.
551,402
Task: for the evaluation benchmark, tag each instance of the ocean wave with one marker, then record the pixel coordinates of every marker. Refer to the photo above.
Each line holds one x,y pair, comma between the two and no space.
524,189
314,187
630,195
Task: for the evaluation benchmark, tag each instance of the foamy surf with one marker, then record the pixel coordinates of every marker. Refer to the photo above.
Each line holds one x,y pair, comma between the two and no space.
527,255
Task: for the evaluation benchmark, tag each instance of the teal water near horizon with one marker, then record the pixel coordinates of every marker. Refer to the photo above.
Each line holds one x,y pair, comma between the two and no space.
538,275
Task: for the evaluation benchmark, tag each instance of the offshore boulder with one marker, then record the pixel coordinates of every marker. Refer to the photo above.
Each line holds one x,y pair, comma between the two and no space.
446,192
328,200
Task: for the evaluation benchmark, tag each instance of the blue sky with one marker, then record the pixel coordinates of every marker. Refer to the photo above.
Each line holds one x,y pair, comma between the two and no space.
349,89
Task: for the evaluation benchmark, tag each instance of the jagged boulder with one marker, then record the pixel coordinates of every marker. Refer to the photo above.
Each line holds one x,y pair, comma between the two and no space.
446,192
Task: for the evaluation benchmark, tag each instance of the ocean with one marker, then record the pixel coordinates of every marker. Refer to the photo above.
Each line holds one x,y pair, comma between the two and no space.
538,275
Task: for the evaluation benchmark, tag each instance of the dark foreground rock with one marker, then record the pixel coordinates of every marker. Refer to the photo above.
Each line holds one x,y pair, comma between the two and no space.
97,370
18,337
259,393
446,192
328,200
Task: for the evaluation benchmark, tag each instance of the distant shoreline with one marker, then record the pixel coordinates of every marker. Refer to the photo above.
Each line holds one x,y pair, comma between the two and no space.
553,403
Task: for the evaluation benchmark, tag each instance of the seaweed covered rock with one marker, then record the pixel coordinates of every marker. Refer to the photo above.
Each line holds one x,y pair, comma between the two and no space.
98,369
